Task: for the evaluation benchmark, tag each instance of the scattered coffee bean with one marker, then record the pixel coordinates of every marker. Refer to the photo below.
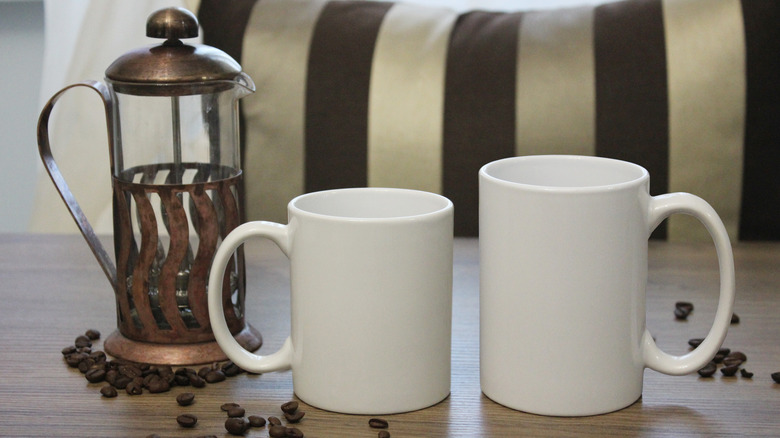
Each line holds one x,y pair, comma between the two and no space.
187,420
776,377
228,406
95,375
383,434
734,318
134,388
294,417
378,423
256,421
185,398
737,355
108,391
290,407
215,376
682,309
708,370
92,334
236,425
745,373
158,385
729,370
277,431
694,342
236,411
274,421
69,350
82,341
293,432
197,381
230,369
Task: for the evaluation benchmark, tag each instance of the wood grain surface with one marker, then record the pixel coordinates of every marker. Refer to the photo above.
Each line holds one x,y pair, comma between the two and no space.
51,290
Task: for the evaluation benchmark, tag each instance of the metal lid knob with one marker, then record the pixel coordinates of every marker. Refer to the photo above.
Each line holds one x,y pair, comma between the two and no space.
172,23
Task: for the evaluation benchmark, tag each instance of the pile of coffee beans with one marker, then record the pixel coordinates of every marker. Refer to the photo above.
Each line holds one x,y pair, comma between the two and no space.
137,378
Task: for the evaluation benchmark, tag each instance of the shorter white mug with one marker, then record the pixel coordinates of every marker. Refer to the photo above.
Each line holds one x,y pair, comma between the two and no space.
563,270
371,299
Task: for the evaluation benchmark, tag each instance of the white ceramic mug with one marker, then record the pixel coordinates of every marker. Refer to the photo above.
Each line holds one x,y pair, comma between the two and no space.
371,299
563,270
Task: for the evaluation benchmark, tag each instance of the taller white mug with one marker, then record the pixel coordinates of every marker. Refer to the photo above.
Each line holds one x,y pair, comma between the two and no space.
563,271
371,299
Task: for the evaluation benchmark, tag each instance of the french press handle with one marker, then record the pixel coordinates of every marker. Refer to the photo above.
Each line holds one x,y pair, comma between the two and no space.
44,149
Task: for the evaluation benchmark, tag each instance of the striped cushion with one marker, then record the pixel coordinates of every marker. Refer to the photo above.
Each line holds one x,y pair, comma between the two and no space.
355,93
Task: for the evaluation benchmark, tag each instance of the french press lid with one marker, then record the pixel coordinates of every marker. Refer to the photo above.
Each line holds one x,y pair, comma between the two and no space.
173,68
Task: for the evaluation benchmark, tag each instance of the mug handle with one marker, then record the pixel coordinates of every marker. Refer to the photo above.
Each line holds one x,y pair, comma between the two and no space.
660,208
278,361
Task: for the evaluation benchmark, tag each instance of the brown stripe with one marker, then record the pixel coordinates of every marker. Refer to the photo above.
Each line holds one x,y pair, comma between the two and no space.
339,72
631,90
761,184
224,27
479,106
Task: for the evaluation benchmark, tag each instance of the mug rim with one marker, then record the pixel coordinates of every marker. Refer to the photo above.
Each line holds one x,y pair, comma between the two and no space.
444,209
485,173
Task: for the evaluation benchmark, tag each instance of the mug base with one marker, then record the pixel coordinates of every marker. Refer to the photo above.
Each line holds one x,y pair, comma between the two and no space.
585,411
121,347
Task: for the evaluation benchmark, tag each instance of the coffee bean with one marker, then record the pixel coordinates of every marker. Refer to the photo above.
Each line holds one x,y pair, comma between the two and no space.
134,388
745,373
74,359
69,350
92,334
290,407
694,342
293,432
681,313
108,391
203,371
718,358
236,411
776,377
684,305
294,417
159,385
230,369
197,381
729,370
228,406
185,398
181,380
274,421
256,421
277,431
383,434
95,375
187,420
737,355
121,382
378,423
708,370
130,371
215,376
734,318
82,341
85,364
236,425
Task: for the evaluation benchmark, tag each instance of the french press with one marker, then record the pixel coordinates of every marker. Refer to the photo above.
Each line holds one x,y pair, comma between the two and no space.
172,118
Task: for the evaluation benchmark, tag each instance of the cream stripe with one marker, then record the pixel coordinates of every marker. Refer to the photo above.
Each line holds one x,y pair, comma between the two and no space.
406,103
556,97
706,78
277,37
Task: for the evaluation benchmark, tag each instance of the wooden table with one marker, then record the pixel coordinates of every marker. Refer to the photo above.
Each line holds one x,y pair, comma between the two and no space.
52,290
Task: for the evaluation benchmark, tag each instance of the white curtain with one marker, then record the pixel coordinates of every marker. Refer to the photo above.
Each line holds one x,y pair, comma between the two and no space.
82,38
